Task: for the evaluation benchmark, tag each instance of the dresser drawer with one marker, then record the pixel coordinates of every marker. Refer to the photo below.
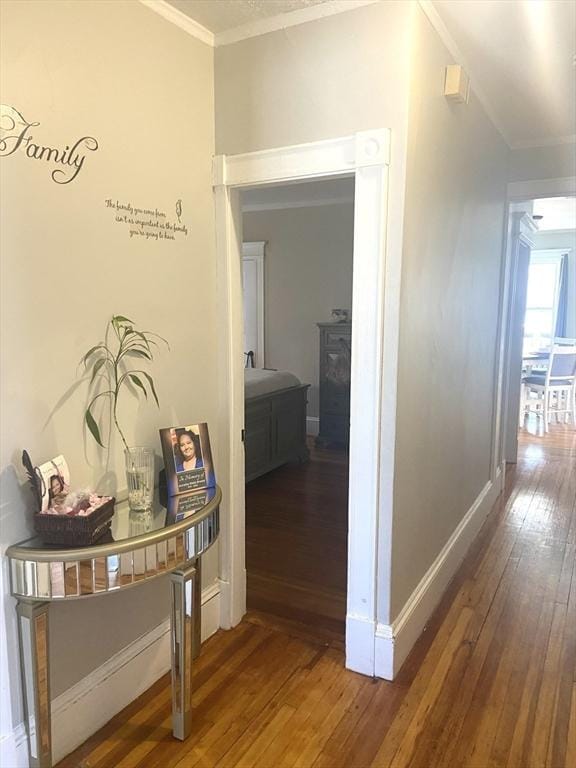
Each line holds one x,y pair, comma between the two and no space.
336,339
335,400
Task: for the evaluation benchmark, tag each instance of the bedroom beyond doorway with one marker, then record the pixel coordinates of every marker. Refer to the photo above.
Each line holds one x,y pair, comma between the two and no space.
297,289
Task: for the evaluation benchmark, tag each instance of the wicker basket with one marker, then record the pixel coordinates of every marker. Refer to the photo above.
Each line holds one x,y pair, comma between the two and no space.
75,530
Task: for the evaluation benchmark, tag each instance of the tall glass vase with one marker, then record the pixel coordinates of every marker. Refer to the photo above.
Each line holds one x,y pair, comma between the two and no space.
140,478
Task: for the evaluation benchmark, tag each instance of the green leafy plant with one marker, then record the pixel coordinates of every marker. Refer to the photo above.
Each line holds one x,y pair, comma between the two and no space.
108,364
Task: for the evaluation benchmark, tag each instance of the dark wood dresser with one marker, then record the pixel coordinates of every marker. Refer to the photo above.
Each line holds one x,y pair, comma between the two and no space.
335,348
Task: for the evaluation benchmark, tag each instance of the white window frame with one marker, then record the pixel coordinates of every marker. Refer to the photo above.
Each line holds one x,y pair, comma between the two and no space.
549,256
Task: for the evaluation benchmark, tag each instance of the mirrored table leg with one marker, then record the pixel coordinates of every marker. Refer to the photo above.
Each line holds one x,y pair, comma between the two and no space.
185,644
35,674
197,610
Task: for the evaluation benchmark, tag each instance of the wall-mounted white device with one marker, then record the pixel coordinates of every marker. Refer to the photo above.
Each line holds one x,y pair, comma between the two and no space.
456,84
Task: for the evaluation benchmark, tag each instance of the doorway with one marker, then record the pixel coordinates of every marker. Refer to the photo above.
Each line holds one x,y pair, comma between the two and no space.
297,277
375,305
542,313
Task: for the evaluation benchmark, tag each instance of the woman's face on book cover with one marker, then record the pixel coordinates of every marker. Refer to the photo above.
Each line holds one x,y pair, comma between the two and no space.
187,447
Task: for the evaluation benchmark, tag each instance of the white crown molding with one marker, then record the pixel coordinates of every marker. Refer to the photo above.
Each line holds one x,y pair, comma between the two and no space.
550,141
434,19
168,12
285,20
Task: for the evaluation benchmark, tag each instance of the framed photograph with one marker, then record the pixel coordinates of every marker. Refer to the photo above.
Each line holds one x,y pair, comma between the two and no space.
186,504
187,458
54,481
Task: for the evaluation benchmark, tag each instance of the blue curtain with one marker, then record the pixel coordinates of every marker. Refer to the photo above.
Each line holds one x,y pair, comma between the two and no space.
562,314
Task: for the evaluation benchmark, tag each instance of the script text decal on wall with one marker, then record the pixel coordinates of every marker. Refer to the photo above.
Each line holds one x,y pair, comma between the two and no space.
15,134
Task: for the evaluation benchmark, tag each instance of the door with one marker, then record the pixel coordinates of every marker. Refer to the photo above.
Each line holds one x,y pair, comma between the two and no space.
253,290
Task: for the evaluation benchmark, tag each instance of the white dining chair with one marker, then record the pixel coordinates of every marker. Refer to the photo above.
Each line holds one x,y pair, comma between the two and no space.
553,393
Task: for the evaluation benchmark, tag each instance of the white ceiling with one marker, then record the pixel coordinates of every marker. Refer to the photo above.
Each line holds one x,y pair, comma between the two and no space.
519,54
221,15
556,212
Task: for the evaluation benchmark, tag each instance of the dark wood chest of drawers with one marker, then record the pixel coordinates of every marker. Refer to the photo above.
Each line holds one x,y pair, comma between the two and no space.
335,348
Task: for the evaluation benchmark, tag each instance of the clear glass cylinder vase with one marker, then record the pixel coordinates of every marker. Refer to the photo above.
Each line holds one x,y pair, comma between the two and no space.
140,477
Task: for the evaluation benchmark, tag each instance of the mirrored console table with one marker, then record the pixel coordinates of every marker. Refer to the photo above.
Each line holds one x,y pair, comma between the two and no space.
139,547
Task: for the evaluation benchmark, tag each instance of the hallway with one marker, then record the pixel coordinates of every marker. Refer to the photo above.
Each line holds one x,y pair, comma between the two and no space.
490,683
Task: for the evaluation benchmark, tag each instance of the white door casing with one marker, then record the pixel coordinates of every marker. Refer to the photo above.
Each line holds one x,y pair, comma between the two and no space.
375,311
517,192
521,227
253,293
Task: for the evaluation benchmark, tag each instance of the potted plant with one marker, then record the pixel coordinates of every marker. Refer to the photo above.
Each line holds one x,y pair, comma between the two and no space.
113,366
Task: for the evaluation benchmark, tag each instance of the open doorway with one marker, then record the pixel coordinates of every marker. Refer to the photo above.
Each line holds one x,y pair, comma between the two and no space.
297,285
542,338
375,309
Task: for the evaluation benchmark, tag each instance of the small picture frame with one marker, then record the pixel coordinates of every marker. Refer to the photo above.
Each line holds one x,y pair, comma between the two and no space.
187,458
54,482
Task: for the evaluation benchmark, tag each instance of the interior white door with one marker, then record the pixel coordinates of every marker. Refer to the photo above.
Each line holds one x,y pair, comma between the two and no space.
253,297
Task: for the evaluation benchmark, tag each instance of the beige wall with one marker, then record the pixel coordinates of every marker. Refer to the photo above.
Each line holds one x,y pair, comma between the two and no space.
308,272
320,80
454,223
348,73
536,163
144,89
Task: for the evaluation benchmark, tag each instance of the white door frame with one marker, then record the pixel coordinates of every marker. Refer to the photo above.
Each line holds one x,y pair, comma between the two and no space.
375,313
522,226
518,191
254,251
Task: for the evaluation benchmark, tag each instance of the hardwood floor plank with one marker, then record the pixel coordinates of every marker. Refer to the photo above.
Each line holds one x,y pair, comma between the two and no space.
490,684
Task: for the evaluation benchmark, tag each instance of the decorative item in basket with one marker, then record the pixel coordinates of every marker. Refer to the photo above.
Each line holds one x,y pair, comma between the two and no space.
78,518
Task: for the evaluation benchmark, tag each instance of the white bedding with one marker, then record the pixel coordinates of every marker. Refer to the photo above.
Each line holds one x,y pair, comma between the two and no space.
258,381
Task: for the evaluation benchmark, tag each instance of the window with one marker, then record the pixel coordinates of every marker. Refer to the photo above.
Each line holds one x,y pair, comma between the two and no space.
541,300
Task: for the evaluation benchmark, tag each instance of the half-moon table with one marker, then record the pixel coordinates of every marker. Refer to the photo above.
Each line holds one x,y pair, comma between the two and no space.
140,546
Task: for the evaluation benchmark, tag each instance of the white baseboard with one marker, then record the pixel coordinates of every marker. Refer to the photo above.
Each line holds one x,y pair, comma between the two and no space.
395,641
360,644
312,425
87,706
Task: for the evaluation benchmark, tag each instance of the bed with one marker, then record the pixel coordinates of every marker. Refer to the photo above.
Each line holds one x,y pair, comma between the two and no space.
275,420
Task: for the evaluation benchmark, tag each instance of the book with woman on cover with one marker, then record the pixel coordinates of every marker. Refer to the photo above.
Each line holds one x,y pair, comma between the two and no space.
187,458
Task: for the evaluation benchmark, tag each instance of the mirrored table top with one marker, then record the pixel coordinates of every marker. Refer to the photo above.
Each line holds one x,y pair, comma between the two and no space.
139,546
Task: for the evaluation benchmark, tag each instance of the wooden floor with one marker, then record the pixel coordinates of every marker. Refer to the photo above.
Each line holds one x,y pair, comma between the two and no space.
490,683
297,540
